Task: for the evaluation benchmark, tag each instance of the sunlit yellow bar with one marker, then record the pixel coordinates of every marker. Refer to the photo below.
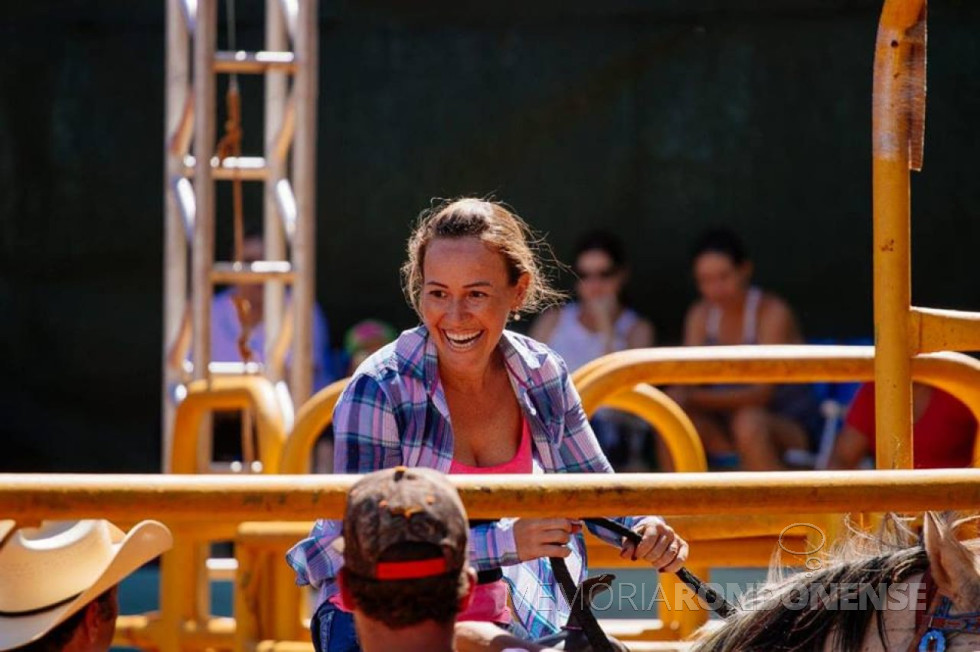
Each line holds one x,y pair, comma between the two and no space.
195,498
944,330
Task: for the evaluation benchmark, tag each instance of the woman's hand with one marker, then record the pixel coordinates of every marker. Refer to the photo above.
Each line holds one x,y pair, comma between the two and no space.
661,546
544,537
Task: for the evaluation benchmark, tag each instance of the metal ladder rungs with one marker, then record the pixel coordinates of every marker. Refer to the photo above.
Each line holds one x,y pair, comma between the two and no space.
257,272
254,63
217,368
246,168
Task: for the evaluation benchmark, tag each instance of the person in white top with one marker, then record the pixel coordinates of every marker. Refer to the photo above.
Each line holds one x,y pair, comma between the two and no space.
598,322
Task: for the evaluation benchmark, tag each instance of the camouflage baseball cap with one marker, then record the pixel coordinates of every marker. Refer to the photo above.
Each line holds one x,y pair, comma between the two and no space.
389,510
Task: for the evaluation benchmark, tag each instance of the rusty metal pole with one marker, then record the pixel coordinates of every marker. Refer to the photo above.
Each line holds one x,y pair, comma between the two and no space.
896,147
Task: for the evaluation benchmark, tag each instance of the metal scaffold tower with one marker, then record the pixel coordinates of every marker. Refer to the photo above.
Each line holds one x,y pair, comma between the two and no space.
192,167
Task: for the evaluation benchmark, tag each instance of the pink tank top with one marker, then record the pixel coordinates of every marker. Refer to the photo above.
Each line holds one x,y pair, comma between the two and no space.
490,600
520,463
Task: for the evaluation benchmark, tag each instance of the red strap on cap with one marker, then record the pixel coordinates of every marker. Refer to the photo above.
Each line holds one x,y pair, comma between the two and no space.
408,570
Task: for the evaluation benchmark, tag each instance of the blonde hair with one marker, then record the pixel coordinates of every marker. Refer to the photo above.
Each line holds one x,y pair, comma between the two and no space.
495,225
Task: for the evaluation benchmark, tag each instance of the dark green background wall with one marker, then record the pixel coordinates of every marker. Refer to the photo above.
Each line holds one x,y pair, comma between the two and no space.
654,118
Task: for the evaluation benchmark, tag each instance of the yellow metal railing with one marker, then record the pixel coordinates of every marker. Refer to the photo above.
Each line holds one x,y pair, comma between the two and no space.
224,501
198,507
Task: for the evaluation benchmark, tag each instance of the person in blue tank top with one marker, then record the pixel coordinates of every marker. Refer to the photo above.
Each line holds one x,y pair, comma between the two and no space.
756,427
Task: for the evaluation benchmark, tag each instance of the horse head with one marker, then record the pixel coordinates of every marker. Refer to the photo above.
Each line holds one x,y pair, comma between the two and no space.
876,594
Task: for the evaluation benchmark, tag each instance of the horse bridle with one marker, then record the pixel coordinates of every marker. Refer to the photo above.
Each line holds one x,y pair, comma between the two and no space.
582,616
934,622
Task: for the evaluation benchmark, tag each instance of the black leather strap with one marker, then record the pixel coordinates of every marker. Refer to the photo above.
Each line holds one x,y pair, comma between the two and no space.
581,615
715,601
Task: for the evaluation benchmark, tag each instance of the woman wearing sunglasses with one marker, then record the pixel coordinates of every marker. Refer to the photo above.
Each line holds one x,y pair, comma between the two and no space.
597,323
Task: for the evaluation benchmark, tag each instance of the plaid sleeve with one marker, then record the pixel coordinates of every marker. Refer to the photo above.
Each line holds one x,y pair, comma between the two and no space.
316,559
492,545
366,439
365,429
580,451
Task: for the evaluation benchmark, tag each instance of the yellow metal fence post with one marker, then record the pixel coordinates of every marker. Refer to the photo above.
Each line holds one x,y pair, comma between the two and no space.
896,145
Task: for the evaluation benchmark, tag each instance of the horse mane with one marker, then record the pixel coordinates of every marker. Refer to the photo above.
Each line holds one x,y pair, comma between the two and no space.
766,621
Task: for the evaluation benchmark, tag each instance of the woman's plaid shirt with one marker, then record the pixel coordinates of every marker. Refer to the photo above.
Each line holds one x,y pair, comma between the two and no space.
394,412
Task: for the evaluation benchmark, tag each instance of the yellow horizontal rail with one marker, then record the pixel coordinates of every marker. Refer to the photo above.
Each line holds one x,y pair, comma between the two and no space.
801,363
194,498
944,330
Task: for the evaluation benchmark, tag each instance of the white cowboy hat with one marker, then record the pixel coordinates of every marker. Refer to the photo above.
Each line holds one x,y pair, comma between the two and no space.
51,572
5,528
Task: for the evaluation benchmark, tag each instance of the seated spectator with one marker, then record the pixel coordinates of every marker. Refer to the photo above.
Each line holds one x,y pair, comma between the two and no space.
226,327
755,425
943,437
406,574
58,582
596,323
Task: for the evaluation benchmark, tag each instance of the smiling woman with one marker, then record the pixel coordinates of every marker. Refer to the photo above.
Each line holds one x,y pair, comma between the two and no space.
461,394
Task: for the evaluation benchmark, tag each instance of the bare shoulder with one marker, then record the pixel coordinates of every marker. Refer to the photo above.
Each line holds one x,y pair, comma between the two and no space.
777,321
698,311
697,315
775,307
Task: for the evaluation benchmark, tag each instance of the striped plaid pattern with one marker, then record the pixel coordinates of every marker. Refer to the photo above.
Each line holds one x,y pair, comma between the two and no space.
394,412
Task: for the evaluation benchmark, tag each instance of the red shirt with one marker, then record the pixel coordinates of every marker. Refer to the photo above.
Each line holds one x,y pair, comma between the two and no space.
943,437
